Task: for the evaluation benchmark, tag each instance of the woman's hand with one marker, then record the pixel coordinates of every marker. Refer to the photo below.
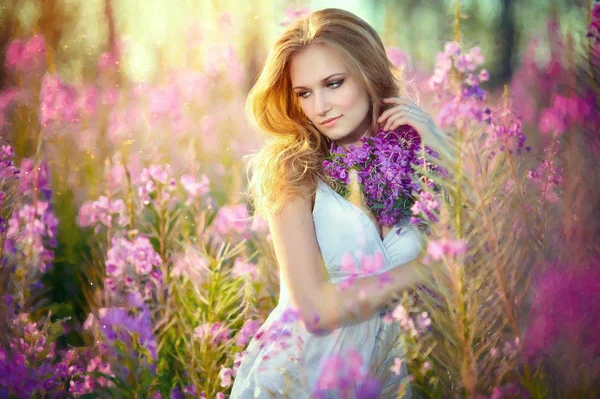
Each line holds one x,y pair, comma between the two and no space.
406,112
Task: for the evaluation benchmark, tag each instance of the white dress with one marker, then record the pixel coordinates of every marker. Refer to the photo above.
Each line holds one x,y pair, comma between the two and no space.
283,360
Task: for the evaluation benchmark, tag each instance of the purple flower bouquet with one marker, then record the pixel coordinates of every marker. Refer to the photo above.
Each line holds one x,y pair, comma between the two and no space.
386,166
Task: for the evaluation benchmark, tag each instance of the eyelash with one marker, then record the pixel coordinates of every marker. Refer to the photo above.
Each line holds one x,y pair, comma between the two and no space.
337,82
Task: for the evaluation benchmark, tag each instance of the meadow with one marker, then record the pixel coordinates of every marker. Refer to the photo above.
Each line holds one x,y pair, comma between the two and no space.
132,264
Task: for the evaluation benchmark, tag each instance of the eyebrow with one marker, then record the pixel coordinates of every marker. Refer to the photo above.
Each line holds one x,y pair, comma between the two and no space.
322,80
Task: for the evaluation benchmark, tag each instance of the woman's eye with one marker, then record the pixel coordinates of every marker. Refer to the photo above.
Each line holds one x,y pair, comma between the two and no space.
331,85
337,83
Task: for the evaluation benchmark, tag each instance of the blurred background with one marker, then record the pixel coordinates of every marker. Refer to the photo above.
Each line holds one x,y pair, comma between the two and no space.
87,87
133,82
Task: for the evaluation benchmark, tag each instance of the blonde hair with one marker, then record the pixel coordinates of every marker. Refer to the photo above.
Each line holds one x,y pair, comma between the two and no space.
291,161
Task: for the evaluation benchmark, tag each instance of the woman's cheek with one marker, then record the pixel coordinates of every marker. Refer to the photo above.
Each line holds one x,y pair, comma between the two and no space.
347,98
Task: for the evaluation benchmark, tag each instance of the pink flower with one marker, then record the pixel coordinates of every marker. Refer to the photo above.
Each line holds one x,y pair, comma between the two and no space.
88,100
217,333
397,367
190,264
231,219
58,101
371,264
107,61
552,121
194,188
348,265
89,321
133,264
445,247
241,269
26,56
398,56
259,225
225,374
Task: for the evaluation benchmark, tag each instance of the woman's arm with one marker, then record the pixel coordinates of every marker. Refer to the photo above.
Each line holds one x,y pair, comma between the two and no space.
322,306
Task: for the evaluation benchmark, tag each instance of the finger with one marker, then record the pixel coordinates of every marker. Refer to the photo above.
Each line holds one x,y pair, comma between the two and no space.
388,112
398,120
408,118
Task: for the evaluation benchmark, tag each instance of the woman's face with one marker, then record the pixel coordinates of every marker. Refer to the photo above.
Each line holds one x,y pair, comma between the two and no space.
326,90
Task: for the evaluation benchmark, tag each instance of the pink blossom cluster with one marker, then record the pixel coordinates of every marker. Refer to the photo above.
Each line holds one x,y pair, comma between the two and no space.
190,264
232,220
58,101
409,326
155,181
243,268
26,55
8,170
368,264
468,104
193,187
216,333
426,208
564,112
34,179
30,234
101,212
226,373
398,56
505,133
445,248
547,176
133,266
157,187
344,375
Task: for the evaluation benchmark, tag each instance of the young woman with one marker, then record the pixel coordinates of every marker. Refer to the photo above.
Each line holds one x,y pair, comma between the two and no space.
326,80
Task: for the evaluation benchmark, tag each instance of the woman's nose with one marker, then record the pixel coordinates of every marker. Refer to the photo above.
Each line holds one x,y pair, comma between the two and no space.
321,104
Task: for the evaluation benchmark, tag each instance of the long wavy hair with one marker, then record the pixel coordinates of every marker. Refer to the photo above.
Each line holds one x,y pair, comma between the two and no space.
290,163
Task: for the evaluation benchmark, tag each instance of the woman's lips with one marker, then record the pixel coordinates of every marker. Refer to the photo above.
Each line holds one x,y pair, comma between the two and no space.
331,122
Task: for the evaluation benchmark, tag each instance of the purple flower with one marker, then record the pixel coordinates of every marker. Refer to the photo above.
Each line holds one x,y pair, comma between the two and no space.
122,323
34,179
385,171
